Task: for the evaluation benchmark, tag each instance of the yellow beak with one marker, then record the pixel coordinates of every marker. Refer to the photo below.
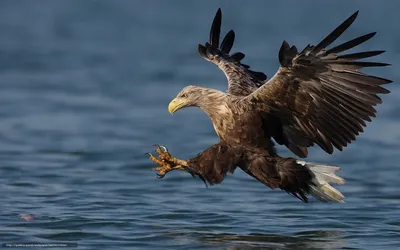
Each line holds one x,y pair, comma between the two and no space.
177,104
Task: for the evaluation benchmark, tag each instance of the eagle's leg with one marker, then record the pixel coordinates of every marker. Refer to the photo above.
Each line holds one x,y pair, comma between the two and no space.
167,162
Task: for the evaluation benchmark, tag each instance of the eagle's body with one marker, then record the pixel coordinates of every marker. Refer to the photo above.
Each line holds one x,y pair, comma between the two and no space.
316,97
230,115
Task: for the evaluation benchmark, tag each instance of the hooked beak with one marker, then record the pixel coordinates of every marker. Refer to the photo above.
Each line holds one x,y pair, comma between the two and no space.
177,104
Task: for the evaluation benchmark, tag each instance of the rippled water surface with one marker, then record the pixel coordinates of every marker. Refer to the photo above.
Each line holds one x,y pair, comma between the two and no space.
84,89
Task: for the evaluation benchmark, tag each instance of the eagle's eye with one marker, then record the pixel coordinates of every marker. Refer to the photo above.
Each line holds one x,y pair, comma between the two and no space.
184,95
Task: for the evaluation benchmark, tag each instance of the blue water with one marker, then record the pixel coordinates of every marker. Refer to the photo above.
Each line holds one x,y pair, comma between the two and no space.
84,89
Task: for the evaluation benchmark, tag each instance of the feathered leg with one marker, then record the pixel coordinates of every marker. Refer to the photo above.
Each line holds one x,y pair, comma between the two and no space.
296,177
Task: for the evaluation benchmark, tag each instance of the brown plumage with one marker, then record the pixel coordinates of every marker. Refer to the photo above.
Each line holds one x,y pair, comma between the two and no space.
317,96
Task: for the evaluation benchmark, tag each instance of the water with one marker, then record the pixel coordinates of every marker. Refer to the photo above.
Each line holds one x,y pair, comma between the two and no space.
84,92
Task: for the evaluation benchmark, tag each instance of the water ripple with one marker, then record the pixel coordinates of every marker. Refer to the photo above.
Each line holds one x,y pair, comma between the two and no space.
84,92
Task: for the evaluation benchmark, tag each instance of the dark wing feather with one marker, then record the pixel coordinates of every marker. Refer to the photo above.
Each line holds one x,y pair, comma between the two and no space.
321,97
227,43
241,80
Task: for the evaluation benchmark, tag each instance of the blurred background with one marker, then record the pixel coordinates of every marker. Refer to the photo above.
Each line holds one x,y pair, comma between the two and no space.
84,90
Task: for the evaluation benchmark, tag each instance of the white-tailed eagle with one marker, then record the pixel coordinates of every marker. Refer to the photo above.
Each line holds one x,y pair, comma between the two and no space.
317,96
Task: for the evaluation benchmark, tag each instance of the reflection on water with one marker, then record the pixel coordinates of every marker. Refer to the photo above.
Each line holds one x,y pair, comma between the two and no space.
303,240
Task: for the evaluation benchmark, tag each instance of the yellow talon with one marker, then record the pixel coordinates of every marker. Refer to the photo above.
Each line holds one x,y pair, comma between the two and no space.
166,161
163,153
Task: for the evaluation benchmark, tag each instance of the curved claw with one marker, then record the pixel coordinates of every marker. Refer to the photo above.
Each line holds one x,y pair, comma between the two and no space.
161,148
149,154
159,176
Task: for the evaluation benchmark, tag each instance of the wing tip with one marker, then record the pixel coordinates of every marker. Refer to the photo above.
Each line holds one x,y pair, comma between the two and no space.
286,54
350,44
227,42
352,18
216,29
336,33
202,50
355,14
361,55
370,35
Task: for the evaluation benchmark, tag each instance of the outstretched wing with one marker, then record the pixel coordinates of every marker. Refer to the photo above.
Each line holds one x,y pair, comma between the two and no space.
321,97
241,80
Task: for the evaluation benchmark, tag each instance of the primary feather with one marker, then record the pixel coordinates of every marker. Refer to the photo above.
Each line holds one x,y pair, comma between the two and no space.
322,96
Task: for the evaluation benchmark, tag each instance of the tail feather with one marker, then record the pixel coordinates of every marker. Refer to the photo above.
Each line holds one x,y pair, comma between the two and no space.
322,176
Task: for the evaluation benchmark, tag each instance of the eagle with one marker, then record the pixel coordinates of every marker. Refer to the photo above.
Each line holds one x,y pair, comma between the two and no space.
318,96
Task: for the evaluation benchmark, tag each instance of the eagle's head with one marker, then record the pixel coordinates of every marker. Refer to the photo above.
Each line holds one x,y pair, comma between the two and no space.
196,96
187,97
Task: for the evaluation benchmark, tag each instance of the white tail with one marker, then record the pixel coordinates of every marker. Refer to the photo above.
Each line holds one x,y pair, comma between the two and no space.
322,176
